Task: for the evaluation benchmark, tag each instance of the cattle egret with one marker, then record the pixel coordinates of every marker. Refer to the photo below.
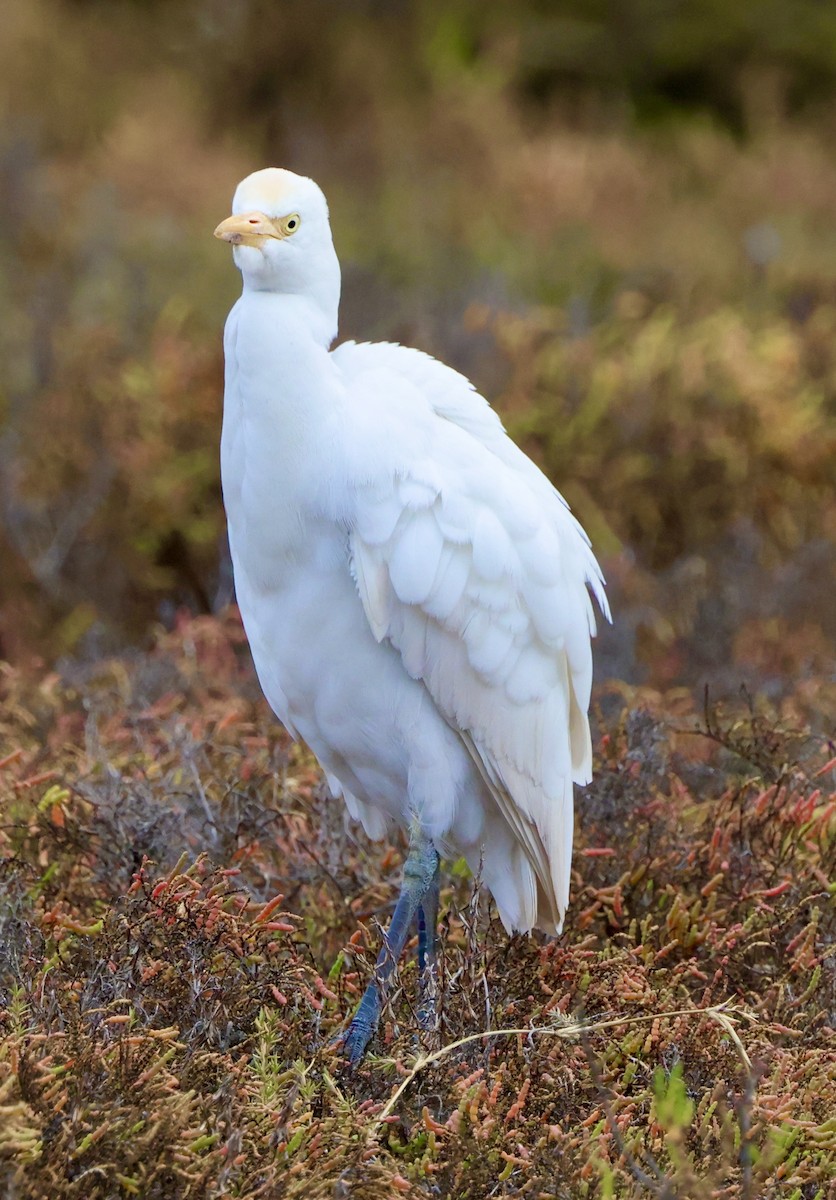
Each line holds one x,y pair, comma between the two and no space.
413,588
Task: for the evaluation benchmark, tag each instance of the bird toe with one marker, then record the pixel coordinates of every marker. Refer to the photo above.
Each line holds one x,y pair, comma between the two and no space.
355,1039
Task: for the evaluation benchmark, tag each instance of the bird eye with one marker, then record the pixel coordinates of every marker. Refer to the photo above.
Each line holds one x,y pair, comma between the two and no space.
291,223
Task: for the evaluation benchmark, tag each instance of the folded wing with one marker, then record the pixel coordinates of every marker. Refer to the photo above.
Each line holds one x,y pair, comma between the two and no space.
469,562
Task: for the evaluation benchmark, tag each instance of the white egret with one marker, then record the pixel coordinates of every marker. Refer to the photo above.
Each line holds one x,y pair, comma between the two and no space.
414,590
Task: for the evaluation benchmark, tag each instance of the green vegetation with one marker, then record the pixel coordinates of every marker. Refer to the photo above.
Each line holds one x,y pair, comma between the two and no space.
620,221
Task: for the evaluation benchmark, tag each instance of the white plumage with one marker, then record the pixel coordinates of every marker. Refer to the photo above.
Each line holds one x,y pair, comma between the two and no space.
413,588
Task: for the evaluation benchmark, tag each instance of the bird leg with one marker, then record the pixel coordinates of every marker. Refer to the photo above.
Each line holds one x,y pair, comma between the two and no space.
419,893
427,960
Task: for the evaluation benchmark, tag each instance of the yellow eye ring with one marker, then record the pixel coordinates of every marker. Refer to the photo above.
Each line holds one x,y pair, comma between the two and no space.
290,224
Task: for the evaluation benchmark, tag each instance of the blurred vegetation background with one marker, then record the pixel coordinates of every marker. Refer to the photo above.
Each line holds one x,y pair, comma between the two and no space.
617,216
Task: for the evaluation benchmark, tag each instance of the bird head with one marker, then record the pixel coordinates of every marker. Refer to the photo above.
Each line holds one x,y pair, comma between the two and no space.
281,237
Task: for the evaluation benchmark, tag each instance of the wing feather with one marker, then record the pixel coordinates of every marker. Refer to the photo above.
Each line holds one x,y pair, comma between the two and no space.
414,554
469,562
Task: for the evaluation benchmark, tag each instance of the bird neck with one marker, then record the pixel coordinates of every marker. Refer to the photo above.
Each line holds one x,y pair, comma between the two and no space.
281,400
276,346
309,293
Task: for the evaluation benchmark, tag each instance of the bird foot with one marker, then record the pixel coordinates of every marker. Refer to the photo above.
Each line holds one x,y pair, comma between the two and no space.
356,1039
362,1026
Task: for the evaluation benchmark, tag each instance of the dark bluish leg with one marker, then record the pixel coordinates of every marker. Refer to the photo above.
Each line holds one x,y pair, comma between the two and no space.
427,931
419,881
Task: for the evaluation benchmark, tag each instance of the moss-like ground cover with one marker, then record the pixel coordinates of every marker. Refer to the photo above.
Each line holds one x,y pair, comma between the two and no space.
186,922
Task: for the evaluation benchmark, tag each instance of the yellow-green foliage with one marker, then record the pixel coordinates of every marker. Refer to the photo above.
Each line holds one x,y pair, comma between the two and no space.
185,924
661,287
680,429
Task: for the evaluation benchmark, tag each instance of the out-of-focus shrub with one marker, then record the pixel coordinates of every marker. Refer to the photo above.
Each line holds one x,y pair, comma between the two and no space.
677,382
669,432
111,496
700,454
